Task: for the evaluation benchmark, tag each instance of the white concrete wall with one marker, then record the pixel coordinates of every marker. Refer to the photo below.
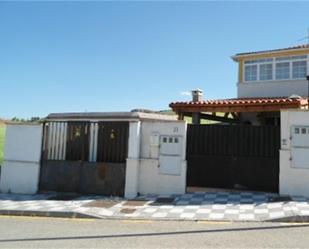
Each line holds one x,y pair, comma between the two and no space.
151,181
20,171
133,163
142,169
293,181
161,128
272,88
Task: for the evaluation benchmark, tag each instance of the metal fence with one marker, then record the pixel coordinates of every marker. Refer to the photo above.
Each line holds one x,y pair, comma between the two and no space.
85,141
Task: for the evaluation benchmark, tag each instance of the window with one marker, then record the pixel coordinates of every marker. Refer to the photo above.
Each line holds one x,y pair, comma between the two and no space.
299,69
282,70
279,68
251,73
266,72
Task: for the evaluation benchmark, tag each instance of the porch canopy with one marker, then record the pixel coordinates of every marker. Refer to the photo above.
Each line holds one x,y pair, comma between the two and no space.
235,107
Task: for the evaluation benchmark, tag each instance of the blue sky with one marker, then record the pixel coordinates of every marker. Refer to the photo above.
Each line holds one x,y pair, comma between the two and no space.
117,56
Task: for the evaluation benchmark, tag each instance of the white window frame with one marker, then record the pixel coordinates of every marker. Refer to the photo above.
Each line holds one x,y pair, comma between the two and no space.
292,68
257,72
274,61
275,70
272,72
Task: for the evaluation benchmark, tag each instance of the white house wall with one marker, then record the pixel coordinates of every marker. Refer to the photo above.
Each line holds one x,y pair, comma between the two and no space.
20,171
293,180
272,88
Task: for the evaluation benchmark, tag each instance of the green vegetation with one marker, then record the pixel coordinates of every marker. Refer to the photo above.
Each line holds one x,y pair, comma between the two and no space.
2,137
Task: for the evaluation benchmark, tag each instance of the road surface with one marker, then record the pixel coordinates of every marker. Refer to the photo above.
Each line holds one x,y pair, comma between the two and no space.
34,232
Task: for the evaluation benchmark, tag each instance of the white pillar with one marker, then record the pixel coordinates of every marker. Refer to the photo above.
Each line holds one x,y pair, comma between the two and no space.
133,160
20,172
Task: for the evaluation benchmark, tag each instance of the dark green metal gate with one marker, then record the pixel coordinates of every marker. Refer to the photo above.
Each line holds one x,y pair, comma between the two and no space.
224,156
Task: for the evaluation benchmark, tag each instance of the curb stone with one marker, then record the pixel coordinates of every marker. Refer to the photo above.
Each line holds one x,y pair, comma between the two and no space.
70,214
292,219
55,214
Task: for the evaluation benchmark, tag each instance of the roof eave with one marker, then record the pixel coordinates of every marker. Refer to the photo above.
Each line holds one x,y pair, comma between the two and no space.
236,57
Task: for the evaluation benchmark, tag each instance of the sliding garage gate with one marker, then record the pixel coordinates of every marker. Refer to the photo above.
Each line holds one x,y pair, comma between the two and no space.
228,156
84,157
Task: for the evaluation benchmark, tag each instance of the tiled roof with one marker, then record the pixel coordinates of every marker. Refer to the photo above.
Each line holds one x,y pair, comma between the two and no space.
304,46
240,105
242,101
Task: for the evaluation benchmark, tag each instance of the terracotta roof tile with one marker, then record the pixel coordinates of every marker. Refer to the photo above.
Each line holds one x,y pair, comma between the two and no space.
241,105
241,101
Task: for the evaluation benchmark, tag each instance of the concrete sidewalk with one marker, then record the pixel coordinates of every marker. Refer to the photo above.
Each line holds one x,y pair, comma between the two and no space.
218,206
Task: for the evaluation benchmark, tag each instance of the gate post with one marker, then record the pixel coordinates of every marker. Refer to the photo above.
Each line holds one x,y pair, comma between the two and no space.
132,165
20,172
196,118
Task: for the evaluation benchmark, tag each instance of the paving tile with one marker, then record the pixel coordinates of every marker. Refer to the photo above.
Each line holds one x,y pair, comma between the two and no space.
187,196
176,210
203,211
261,211
276,214
187,215
216,216
304,212
150,210
231,217
166,206
246,216
192,207
190,210
159,215
246,206
201,216
232,211
197,199
181,202
173,215
246,200
194,202
207,202
220,205
275,205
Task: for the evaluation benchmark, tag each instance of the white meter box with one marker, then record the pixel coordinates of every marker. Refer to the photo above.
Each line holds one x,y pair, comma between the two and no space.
300,136
300,146
170,145
170,155
170,165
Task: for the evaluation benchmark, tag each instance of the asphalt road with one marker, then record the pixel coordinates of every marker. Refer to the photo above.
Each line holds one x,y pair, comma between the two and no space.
27,232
